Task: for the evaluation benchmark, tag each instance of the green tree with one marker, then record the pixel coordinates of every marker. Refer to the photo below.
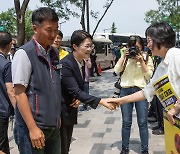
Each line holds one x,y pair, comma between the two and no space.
62,7
10,19
168,11
113,28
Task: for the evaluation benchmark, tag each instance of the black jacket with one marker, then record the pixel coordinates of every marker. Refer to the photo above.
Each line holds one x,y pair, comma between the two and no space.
72,86
5,104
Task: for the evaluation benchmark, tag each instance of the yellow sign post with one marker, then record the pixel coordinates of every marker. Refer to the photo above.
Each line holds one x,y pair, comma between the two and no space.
172,135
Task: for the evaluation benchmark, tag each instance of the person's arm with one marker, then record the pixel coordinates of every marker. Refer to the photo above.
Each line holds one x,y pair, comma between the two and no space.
10,91
121,62
7,75
36,134
135,97
72,86
21,72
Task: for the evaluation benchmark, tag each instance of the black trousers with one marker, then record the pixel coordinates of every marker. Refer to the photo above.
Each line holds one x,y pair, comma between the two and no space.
93,67
158,111
66,135
4,143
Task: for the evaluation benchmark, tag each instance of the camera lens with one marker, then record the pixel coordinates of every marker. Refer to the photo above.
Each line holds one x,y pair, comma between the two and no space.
133,51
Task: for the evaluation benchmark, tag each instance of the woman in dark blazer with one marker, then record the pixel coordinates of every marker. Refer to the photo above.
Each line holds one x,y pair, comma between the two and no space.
72,86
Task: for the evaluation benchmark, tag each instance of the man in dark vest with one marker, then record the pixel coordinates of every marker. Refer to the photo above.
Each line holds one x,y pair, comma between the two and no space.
7,97
36,79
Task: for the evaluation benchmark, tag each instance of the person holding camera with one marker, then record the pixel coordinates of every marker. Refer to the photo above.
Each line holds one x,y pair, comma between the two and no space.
138,69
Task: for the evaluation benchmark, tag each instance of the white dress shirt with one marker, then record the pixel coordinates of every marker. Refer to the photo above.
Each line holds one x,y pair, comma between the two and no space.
170,66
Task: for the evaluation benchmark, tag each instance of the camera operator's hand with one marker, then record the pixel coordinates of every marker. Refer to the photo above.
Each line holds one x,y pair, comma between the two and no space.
139,58
126,53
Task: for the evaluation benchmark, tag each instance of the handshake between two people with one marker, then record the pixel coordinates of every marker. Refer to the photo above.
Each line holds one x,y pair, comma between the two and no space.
110,103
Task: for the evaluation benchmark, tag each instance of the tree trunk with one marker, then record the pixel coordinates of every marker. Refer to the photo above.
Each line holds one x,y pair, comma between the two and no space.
21,30
87,13
102,16
82,22
20,12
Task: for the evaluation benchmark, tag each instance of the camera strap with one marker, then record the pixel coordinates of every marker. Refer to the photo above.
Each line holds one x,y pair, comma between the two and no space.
124,66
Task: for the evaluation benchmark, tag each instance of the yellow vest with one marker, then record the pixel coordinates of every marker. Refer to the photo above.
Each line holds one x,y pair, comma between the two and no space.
62,53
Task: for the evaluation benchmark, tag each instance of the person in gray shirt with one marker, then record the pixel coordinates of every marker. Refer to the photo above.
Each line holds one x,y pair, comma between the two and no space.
36,79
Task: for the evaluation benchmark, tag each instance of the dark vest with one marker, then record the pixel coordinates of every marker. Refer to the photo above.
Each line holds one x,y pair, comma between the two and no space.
44,89
5,103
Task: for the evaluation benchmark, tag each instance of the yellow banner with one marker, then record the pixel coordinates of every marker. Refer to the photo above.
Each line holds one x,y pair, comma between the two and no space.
165,92
168,98
172,135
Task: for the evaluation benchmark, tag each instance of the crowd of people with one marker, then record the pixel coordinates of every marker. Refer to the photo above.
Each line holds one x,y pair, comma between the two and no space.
44,85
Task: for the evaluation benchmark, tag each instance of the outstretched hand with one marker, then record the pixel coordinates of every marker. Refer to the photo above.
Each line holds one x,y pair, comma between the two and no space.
116,101
108,104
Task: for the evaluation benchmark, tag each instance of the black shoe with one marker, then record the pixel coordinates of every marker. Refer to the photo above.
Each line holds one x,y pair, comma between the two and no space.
124,151
155,127
152,119
98,74
159,131
144,152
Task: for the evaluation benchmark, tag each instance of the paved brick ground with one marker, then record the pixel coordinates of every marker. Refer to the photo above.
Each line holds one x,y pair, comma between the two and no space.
99,131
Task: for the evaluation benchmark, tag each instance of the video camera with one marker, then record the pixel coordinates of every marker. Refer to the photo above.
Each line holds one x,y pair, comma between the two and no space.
133,49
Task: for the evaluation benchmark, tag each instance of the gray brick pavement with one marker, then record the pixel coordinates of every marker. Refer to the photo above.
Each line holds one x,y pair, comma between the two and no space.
99,131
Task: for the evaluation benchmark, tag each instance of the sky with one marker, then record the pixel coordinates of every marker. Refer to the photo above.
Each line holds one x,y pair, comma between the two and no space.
128,15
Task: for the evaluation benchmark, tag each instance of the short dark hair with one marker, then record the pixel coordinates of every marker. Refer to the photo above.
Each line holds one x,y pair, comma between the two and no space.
44,14
161,34
79,36
60,33
5,39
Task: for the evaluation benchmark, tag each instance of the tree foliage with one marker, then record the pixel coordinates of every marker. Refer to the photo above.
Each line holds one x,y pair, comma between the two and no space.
10,19
113,28
78,9
19,19
62,7
168,11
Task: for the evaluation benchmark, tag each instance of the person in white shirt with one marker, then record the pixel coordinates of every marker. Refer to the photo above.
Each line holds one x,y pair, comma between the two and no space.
161,41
